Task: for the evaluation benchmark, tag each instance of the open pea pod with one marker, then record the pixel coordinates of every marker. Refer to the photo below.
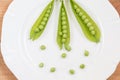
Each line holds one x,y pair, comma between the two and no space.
40,24
63,34
88,25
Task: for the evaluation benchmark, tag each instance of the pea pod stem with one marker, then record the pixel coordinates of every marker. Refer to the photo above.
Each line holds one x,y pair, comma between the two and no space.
63,34
40,24
88,25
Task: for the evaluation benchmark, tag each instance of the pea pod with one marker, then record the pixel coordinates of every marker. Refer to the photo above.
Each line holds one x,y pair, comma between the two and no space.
63,34
89,27
40,24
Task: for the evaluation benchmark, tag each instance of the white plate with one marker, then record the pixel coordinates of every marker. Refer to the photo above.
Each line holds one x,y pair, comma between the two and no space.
22,56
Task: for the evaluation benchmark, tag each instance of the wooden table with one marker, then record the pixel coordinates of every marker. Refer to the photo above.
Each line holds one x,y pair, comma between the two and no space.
5,74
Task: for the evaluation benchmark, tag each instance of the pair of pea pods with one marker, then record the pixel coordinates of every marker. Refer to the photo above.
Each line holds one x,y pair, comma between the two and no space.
88,25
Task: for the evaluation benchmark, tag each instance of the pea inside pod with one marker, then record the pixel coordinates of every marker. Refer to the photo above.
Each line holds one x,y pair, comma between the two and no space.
40,24
88,25
63,34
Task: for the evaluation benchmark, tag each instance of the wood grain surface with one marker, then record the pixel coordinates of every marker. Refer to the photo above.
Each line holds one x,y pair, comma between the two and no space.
5,73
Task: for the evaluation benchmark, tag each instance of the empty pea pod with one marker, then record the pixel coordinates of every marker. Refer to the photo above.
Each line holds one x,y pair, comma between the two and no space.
88,25
40,24
63,34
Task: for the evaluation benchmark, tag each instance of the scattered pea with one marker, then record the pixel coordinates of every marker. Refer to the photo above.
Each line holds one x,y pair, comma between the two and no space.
42,47
41,65
86,53
71,71
52,69
64,55
82,66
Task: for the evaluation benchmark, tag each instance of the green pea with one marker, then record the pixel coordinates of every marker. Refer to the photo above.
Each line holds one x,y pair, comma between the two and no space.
80,14
89,24
77,10
86,53
63,10
47,15
63,40
71,71
64,31
41,27
43,23
85,22
75,7
91,28
36,30
83,17
42,47
63,18
64,22
48,11
50,6
63,13
64,55
41,65
63,26
60,33
64,35
52,69
93,32
45,19
82,66
42,19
